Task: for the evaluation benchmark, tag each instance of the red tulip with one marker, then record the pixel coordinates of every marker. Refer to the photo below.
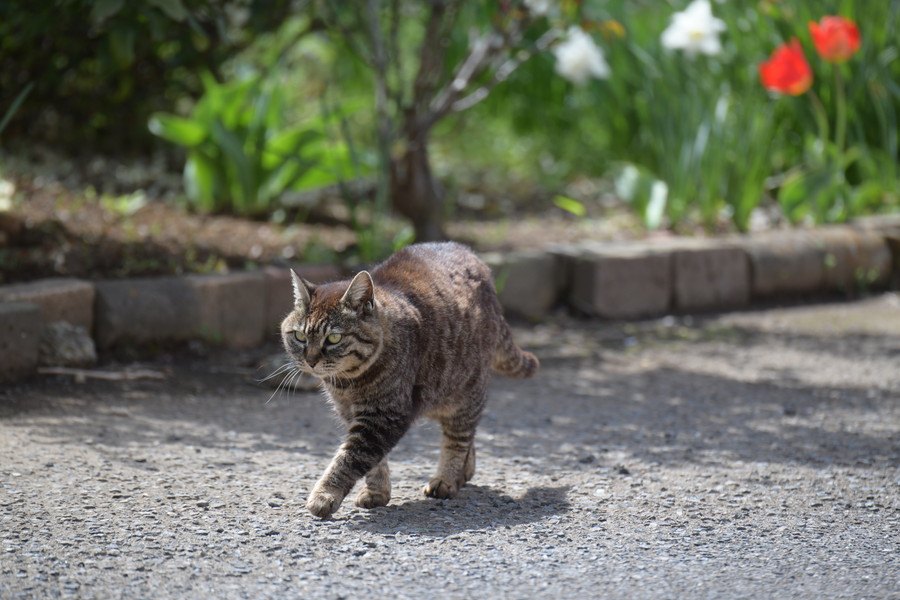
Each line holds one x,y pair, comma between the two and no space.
787,71
836,38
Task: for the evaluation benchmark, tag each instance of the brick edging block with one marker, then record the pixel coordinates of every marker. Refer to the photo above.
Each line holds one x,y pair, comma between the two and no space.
610,280
827,259
59,299
651,278
626,280
144,310
20,333
529,282
710,275
224,309
237,310
620,281
231,308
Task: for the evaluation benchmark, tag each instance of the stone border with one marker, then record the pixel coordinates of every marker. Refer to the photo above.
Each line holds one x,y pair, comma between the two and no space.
614,280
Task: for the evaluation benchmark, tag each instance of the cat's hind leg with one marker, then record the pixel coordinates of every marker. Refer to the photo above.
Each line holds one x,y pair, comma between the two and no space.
457,463
377,491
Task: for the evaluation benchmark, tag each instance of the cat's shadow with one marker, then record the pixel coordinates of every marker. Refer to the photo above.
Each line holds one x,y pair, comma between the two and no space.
475,508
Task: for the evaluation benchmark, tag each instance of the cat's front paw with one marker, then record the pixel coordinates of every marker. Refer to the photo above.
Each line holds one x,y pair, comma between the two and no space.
323,504
439,488
368,498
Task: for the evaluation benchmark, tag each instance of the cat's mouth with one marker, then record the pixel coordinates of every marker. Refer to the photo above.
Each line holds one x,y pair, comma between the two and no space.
318,371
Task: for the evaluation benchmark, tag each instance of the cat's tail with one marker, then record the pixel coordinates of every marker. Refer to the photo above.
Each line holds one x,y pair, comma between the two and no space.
510,360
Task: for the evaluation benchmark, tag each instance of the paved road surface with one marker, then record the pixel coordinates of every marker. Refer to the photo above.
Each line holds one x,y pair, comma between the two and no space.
749,455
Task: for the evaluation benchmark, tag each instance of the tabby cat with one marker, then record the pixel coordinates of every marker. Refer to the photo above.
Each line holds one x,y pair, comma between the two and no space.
417,336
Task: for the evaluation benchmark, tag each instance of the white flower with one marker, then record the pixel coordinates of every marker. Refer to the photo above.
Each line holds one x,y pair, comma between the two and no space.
541,8
694,30
7,191
578,58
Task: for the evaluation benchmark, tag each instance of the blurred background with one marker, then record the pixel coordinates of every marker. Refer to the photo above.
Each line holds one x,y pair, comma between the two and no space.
160,136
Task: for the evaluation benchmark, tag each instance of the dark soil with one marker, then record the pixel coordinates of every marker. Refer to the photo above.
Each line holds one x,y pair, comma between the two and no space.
54,230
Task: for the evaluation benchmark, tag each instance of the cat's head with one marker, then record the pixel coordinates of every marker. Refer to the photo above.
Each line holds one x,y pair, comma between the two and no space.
334,329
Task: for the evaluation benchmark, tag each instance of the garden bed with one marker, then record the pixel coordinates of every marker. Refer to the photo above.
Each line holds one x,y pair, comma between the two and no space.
55,230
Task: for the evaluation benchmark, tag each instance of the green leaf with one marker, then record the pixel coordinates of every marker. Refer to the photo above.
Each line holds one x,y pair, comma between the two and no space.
817,193
292,142
316,178
570,205
15,106
866,198
174,9
231,147
283,178
181,131
403,238
200,181
235,102
104,9
333,163
792,197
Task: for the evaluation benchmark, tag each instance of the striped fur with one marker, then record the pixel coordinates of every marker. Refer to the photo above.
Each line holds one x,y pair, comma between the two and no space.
417,337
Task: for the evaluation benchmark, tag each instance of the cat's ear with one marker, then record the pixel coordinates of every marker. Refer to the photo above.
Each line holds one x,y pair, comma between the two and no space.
302,290
360,295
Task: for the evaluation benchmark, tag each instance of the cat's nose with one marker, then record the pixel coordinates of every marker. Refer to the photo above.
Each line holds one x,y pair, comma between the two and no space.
312,359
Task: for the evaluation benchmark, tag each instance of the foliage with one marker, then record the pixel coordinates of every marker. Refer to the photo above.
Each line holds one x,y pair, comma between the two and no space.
703,125
425,61
100,67
836,181
685,129
688,132
241,154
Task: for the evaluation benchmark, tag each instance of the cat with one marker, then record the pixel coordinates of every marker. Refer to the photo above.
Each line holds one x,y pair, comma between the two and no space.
418,336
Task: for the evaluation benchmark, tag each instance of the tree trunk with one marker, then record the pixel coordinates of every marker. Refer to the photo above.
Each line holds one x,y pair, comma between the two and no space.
415,193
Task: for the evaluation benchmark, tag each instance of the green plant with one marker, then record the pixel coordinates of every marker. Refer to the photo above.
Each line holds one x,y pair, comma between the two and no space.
702,125
570,205
100,67
16,104
834,180
241,155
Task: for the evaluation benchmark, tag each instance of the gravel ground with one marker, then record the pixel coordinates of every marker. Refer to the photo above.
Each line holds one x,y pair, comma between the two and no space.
745,455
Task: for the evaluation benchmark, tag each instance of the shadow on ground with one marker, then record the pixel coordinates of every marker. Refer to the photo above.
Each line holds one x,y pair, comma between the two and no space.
670,416
442,518
574,413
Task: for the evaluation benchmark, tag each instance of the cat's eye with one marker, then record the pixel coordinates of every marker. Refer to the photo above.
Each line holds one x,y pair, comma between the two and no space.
334,338
300,336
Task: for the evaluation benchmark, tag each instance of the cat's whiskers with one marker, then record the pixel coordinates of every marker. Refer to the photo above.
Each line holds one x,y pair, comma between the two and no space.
290,375
277,371
289,387
277,388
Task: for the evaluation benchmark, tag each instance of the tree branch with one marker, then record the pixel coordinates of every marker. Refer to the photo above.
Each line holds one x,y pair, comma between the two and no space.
489,52
502,72
432,51
395,56
483,50
385,122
